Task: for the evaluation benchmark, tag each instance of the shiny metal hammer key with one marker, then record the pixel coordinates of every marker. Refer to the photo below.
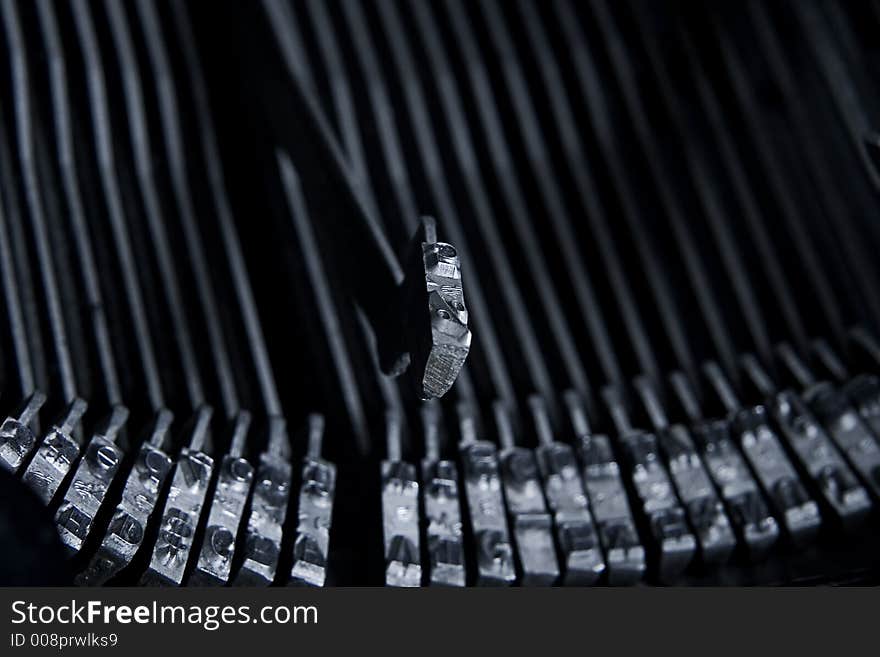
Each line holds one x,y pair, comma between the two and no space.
87,490
234,478
755,527
316,494
485,504
624,552
183,507
797,512
17,437
844,499
530,521
442,507
56,454
839,422
840,489
704,508
674,544
400,513
125,534
576,537
268,511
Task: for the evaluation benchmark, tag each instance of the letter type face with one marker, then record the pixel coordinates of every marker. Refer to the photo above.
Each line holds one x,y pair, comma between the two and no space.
86,492
185,500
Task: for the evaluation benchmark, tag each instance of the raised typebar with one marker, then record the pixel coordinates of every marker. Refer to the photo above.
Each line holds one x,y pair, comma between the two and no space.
435,316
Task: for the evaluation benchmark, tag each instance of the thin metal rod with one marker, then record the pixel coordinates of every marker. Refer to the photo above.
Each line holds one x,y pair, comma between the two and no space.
20,267
651,401
468,428
426,143
102,128
326,309
24,367
578,166
169,110
299,60
316,436
795,365
382,109
721,386
590,87
343,103
861,193
541,419
864,341
61,112
772,172
502,161
393,431
836,214
613,398
686,397
542,169
697,170
503,425
758,376
430,412
351,142
602,127
277,12
830,361
231,243
735,172
579,420
238,442
479,201
24,119
843,91
153,210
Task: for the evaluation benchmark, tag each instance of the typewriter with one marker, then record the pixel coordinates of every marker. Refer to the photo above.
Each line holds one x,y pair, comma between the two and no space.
390,292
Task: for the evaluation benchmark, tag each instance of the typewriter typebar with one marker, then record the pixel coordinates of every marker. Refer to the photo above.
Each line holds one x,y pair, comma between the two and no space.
319,293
